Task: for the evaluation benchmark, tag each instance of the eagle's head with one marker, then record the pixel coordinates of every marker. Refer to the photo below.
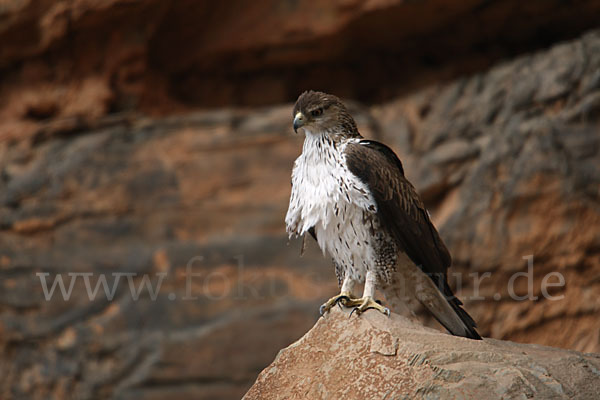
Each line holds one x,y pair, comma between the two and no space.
322,113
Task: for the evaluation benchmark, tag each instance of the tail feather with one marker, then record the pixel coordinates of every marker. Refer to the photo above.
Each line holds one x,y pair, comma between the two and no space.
456,304
437,299
447,310
468,328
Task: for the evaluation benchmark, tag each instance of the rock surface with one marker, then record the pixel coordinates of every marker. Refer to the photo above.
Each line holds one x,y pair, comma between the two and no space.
83,59
509,164
375,357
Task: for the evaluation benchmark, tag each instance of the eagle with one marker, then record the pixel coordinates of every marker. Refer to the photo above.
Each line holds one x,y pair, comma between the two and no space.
350,194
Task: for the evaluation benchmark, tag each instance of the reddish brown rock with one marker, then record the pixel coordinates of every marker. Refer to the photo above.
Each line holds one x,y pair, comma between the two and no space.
375,357
78,60
508,163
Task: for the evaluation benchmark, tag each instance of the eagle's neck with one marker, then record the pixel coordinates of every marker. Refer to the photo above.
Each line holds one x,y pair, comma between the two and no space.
323,146
320,148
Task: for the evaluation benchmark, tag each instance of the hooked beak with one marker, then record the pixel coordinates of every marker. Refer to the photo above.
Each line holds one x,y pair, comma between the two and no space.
298,121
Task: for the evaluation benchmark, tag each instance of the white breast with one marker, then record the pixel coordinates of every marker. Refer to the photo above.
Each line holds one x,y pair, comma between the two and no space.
326,195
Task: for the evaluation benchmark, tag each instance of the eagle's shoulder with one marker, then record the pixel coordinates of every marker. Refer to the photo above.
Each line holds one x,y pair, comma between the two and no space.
374,150
400,208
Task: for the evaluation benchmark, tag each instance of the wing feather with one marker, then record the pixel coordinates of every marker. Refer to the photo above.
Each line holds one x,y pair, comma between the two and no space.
404,216
400,209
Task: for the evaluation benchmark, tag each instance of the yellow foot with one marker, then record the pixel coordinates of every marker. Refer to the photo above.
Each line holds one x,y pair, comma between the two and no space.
362,305
343,298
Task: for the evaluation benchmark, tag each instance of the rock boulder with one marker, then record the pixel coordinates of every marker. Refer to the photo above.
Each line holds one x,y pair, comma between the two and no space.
375,357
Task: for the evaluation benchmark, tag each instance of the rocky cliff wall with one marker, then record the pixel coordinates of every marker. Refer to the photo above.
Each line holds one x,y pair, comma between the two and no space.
107,170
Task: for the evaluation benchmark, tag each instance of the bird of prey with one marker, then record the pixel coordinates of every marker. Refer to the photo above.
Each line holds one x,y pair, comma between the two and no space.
352,196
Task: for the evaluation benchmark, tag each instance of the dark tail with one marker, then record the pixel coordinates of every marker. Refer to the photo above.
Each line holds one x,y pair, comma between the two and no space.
468,322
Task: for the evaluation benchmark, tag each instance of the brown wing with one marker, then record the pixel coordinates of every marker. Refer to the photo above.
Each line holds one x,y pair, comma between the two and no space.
404,217
399,207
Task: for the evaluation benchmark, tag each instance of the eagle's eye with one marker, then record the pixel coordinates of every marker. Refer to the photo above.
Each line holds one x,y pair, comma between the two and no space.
316,112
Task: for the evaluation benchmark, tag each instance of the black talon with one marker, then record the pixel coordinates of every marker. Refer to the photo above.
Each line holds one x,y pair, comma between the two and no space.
341,299
345,298
322,310
352,312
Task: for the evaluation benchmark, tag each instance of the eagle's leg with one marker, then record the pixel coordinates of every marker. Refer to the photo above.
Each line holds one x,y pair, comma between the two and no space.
367,301
344,297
